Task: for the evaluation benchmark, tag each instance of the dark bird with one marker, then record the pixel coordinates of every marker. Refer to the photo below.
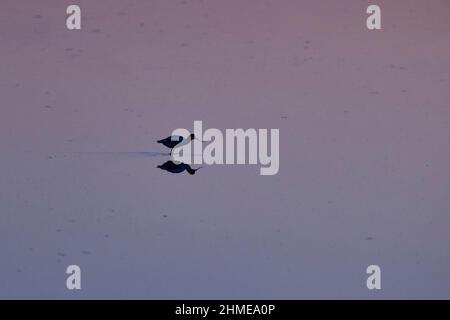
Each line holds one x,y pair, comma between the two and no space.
177,167
173,141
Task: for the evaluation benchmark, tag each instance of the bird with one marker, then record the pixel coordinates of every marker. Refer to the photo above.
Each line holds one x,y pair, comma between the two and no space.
177,167
173,141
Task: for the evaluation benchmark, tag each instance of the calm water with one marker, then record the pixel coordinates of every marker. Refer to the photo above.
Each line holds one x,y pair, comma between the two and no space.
364,126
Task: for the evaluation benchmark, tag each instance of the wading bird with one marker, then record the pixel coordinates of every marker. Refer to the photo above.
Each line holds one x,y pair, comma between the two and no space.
173,141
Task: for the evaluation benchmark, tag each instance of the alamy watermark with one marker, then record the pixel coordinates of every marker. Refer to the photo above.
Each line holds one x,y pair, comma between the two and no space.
250,146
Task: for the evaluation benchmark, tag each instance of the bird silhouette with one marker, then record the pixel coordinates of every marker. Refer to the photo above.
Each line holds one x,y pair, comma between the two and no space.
177,167
173,141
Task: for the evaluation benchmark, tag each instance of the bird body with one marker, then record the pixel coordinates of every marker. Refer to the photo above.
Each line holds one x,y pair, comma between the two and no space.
173,141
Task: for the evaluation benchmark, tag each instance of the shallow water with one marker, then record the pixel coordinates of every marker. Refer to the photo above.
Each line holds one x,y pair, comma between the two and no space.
364,140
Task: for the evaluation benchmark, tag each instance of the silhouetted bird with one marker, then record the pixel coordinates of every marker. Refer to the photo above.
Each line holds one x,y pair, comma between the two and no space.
177,168
173,141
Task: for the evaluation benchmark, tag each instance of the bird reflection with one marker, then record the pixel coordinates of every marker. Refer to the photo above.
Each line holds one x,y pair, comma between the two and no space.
177,167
